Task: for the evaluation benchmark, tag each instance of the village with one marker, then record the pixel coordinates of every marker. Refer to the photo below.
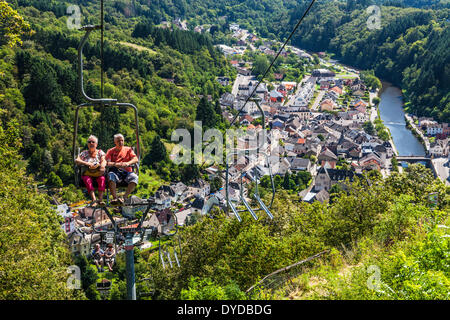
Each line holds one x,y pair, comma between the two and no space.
317,125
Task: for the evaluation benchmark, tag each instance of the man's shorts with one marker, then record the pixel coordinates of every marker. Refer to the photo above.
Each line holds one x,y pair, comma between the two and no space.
119,176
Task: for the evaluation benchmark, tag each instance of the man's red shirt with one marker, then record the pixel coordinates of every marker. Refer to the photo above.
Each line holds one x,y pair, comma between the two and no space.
123,155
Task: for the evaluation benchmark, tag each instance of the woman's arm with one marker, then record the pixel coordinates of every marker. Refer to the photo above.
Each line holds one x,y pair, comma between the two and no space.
102,163
80,162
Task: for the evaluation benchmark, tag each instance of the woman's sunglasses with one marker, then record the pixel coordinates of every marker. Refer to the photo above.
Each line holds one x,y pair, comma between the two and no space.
91,141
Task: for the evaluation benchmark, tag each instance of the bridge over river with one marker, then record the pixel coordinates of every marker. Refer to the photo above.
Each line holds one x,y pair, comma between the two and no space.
418,159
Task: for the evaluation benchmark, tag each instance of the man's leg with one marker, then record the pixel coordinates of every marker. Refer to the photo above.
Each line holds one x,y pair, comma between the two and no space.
132,180
112,178
130,188
97,264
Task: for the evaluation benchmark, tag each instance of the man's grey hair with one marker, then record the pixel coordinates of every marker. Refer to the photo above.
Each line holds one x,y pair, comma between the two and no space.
93,137
118,136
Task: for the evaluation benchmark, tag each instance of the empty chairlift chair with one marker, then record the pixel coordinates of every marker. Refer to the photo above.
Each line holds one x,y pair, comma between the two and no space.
256,195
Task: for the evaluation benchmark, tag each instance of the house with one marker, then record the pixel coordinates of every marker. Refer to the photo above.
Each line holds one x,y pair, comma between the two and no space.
304,114
244,71
326,178
227,99
174,191
277,123
246,120
203,187
279,165
320,196
324,84
163,220
434,129
354,152
328,105
92,215
322,73
357,84
162,200
438,148
234,63
358,93
358,102
276,96
69,222
371,161
224,81
198,206
300,164
80,244
327,158
337,90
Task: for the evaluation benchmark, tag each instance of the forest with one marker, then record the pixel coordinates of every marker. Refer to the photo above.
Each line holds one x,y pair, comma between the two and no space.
409,50
169,75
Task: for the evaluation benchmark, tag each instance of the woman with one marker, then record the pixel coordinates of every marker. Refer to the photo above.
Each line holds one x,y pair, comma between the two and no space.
98,255
109,256
94,164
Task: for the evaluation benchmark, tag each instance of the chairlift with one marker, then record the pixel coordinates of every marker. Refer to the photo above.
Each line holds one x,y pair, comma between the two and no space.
104,285
103,103
256,195
147,283
169,250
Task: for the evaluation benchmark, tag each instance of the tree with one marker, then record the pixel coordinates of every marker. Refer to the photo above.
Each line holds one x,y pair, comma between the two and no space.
205,113
376,100
43,92
12,26
30,232
105,127
54,181
158,152
369,127
260,65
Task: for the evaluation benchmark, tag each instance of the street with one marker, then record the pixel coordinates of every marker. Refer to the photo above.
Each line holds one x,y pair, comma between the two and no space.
442,171
240,79
315,106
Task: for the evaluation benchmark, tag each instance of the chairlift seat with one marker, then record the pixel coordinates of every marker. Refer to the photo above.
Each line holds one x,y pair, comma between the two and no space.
80,182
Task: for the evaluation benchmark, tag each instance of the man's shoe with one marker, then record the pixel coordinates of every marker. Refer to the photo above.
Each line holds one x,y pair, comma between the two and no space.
116,202
102,204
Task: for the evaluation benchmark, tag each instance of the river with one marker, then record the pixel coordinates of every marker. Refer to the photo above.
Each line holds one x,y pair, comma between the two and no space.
393,116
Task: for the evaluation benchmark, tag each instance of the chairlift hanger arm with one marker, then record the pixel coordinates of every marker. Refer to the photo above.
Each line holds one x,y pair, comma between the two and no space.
88,30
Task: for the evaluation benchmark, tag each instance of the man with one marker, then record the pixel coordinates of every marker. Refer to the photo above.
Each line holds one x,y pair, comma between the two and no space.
110,253
120,159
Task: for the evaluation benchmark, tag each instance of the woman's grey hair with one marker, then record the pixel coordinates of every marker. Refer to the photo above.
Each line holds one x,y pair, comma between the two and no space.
118,136
94,137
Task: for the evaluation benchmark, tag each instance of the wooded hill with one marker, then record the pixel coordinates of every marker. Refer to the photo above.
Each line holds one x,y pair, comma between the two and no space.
164,74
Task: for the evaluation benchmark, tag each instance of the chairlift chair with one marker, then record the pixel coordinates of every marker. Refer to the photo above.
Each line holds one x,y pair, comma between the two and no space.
256,195
165,255
102,102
